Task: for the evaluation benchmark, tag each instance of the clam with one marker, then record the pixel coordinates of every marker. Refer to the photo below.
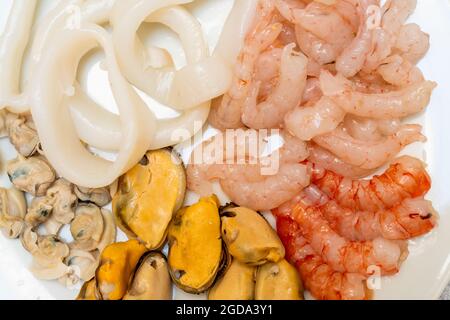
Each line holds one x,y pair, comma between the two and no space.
12,212
39,211
87,227
82,266
22,133
33,175
100,196
151,280
249,237
109,230
196,253
63,200
147,197
238,283
278,281
49,253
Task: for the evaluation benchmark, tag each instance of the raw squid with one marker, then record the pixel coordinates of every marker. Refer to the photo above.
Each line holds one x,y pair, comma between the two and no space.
57,133
12,46
405,178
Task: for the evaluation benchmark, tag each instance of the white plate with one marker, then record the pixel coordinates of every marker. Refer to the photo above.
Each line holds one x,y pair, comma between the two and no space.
425,273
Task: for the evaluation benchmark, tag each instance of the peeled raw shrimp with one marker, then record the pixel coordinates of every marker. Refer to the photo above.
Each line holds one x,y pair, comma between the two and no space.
348,11
400,72
352,59
405,178
412,218
226,111
325,160
321,21
369,154
394,15
308,122
395,104
370,129
312,92
268,193
315,48
319,278
246,185
412,42
344,255
396,12
284,96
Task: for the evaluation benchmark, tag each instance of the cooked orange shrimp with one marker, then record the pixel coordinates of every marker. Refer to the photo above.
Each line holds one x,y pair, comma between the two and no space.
307,122
412,42
344,255
318,277
369,154
246,185
284,96
325,160
352,59
395,104
398,71
405,178
410,219
226,111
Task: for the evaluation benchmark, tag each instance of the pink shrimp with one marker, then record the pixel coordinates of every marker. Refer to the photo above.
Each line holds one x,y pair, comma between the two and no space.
410,219
369,154
352,59
226,111
405,178
370,129
394,15
324,160
400,72
395,104
344,255
312,92
314,47
284,96
246,184
412,42
396,12
320,20
308,122
319,278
